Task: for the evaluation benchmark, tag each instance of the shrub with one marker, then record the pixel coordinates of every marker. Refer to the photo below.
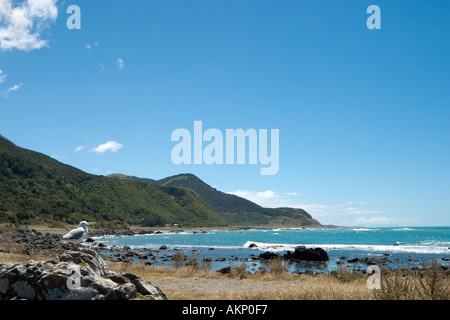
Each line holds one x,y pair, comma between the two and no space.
178,259
277,265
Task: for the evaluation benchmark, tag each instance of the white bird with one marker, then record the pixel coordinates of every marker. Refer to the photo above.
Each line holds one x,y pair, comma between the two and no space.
77,235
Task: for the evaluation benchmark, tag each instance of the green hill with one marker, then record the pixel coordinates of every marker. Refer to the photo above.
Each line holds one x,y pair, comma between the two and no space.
237,210
35,188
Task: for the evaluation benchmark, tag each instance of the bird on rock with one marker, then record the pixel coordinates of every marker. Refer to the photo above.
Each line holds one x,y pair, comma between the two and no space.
77,235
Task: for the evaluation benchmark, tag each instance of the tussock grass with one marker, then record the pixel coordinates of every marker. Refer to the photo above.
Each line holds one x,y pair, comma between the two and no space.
188,283
433,283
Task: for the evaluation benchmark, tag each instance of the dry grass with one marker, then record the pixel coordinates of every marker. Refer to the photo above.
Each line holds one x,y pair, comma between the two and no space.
188,283
10,254
431,284
191,284
6,257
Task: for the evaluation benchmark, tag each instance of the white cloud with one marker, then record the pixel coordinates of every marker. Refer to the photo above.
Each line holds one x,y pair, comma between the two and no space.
268,198
2,76
120,63
92,45
112,146
21,23
79,148
13,88
272,199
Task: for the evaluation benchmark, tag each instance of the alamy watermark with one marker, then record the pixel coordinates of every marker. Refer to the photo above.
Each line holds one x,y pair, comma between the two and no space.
74,281
74,20
228,148
374,279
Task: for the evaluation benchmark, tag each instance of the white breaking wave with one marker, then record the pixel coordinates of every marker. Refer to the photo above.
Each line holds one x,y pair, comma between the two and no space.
359,247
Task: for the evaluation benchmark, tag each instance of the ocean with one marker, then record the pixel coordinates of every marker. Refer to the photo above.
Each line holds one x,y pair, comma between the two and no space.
413,247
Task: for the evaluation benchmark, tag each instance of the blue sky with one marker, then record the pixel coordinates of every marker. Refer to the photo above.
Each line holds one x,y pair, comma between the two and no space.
362,114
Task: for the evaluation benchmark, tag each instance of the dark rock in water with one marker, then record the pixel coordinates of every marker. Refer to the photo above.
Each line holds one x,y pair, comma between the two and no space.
225,270
90,240
163,247
303,254
75,275
355,260
375,261
221,259
253,245
268,255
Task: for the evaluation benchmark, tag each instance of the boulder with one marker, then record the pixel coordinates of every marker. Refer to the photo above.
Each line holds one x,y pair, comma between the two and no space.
79,274
303,254
268,255
225,270
375,261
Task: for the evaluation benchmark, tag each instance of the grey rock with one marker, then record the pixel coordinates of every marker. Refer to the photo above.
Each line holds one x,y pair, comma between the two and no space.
75,275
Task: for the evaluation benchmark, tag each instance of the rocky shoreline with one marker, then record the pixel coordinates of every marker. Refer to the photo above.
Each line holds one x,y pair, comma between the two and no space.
31,242
79,274
84,268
